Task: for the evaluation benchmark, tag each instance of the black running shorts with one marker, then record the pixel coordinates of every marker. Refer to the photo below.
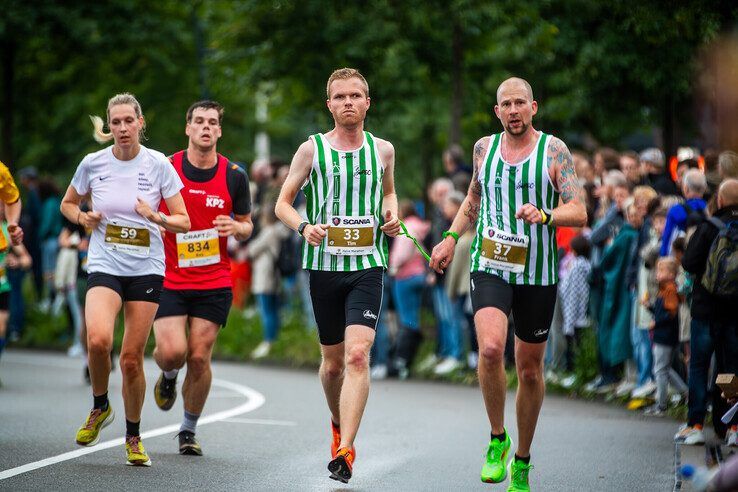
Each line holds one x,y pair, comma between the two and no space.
341,299
211,304
532,306
4,301
140,288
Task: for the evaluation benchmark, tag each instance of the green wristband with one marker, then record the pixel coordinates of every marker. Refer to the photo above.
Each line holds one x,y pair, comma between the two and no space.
452,234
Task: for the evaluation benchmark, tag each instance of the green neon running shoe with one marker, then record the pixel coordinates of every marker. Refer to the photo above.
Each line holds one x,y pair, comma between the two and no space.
519,472
494,469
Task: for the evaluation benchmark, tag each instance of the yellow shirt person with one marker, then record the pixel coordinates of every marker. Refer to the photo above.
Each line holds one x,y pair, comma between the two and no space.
11,197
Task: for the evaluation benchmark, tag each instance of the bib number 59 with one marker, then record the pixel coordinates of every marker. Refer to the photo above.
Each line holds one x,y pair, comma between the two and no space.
127,233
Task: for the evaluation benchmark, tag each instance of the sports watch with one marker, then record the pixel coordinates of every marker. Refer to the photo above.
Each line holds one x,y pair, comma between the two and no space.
302,226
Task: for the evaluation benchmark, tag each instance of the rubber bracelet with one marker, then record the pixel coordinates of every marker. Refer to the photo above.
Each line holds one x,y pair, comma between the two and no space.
452,234
545,218
79,212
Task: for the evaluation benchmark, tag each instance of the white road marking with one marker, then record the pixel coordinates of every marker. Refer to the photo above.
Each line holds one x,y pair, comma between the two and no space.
262,422
255,400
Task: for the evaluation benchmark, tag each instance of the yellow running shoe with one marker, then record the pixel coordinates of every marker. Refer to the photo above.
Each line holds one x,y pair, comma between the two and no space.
165,392
89,434
136,454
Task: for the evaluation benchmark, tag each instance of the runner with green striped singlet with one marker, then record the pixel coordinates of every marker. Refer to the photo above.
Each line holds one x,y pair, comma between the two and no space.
524,185
347,175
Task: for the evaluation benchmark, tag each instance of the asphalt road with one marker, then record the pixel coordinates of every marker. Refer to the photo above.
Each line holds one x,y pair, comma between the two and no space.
267,429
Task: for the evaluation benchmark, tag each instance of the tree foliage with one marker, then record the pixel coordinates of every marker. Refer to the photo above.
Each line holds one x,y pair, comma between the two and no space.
600,70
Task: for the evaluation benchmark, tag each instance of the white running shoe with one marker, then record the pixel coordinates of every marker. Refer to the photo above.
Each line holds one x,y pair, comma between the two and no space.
447,366
379,372
261,350
691,436
472,360
731,438
644,390
624,388
428,363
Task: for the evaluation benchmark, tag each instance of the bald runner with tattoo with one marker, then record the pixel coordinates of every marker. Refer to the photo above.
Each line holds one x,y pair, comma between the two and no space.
523,186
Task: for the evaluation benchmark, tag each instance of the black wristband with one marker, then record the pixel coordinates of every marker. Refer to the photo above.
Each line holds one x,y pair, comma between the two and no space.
302,226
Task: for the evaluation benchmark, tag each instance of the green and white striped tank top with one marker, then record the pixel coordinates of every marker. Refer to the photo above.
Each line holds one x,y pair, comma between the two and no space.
519,253
344,190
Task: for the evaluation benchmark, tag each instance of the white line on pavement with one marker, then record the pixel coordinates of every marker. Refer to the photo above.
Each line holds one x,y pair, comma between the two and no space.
255,400
262,422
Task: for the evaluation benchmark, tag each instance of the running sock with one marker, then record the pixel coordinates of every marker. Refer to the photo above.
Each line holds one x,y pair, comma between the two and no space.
132,428
171,374
499,437
101,401
189,423
525,460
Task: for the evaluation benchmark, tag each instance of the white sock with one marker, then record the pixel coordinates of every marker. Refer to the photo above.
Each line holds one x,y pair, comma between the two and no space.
171,374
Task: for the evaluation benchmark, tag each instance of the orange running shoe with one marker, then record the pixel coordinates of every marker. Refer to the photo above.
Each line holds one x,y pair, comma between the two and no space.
342,464
336,439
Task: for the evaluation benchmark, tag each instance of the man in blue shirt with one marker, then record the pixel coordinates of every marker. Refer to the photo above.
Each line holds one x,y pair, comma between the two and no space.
682,216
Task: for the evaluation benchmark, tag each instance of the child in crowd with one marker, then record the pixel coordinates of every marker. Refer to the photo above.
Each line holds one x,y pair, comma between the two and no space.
665,332
684,285
574,291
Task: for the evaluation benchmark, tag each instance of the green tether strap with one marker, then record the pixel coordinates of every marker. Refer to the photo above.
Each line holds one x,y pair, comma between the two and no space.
414,240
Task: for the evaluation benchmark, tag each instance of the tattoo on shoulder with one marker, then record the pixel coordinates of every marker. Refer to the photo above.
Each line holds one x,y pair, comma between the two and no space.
567,182
480,148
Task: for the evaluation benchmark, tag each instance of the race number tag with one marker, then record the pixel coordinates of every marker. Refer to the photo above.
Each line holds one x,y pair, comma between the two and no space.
127,239
504,251
351,236
198,248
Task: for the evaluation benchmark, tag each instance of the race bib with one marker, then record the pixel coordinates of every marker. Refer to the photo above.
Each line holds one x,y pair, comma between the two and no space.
351,236
198,248
504,251
127,239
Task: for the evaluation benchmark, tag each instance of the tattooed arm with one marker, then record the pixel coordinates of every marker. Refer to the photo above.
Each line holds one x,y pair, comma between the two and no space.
443,252
572,210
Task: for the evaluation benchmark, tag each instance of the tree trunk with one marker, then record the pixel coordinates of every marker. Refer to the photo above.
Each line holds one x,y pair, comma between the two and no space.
457,84
7,59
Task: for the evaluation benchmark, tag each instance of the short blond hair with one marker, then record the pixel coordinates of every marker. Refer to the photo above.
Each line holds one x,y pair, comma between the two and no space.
728,164
669,262
345,74
644,193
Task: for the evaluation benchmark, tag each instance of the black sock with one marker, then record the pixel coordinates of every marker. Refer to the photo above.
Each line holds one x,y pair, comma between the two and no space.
132,428
499,437
101,401
525,460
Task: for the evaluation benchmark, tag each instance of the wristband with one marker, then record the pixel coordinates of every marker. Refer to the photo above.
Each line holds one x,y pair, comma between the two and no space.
301,227
79,212
546,218
452,234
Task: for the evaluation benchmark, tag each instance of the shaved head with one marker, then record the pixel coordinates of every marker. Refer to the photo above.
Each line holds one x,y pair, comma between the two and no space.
515,83
728,193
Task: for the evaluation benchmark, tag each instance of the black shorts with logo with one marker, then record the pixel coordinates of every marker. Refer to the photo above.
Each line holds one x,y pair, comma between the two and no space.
532,306
211,304
138,288
341,299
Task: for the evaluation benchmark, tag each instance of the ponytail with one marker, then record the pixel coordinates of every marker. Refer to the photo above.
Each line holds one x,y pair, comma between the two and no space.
98,134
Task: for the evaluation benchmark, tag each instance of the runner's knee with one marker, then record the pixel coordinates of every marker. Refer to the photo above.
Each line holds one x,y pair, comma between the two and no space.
529,373
171,357
332,368
492,353
99,345
357,359
131,363
198,363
